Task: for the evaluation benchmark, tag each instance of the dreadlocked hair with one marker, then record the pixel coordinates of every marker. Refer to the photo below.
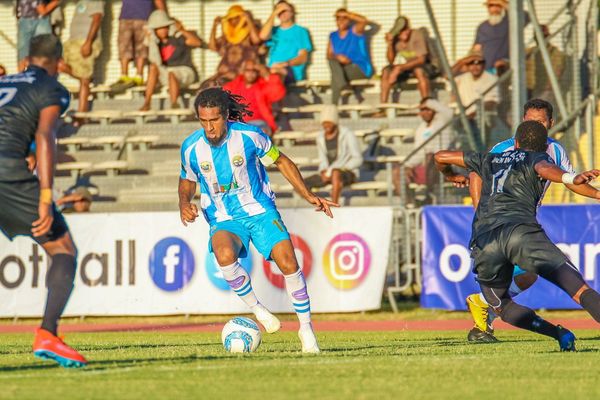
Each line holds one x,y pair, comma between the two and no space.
230,105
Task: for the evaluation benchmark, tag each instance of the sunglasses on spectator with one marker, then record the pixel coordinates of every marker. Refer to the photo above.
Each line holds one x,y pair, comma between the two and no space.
475,62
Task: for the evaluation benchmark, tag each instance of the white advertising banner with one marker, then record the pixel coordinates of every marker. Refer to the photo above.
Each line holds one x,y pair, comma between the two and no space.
150,264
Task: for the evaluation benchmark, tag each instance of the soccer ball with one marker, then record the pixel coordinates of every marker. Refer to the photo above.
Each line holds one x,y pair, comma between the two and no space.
241,335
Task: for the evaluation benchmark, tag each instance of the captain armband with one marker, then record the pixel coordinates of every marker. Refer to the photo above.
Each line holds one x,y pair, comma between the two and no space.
270,157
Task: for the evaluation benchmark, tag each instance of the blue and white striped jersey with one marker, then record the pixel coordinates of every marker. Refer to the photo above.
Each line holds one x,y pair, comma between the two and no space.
232,177
555,150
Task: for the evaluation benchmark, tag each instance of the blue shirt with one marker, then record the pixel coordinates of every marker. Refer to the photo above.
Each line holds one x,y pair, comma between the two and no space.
285,45
355,48
232,177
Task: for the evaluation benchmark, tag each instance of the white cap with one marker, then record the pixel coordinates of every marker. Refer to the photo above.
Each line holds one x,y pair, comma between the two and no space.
329,112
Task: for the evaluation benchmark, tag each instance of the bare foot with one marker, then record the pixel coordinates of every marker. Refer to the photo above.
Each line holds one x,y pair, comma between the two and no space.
145,107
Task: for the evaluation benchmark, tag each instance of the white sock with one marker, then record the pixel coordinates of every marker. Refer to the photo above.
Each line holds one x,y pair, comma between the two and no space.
239,281
296,288
482,298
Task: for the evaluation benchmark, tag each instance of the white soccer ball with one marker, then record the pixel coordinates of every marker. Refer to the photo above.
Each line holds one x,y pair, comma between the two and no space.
241,335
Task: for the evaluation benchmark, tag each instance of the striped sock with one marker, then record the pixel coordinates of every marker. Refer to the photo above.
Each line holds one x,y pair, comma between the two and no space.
296,288
239,281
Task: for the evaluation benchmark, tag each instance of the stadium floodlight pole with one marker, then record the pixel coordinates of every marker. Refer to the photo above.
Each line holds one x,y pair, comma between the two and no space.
543,49
448,71
516,23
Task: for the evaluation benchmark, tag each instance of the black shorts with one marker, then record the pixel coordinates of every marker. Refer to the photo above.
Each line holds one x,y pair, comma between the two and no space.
430,71
495,253
19,208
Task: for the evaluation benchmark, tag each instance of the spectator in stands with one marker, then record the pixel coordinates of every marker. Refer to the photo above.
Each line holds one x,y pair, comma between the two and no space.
57,21
238,43
339,154
408,55
473,84
434,116
289,44
538,83
260,88
83,47
348,52
492,37
79,200
33,20
132,40
170,57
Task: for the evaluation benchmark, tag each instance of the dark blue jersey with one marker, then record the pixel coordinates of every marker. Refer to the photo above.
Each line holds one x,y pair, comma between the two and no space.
22,97
511,188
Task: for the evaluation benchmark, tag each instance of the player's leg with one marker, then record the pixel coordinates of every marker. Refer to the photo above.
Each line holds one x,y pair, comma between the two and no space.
295,284
272,240
227,247
20,202
483,315
230,240
568,278
524,317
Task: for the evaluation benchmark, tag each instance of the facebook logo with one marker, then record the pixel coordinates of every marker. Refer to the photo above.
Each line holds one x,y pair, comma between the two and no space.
171,264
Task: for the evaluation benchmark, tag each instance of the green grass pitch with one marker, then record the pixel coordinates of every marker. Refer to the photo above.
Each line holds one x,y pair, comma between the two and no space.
353,365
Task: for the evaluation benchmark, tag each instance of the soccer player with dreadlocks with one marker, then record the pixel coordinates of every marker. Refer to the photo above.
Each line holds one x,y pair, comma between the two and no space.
227,158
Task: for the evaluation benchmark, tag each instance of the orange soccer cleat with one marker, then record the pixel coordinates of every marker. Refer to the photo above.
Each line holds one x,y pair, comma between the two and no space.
50,347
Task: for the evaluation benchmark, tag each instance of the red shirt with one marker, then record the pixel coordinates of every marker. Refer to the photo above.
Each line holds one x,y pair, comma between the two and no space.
260,96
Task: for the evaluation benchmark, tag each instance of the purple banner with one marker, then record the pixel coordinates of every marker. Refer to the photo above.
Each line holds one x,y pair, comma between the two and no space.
447,276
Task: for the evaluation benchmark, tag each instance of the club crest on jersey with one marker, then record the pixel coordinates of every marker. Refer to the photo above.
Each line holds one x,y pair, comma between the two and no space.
205,166
237,160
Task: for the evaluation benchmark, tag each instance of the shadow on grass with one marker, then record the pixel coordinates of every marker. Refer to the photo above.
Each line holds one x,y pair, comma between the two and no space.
99,365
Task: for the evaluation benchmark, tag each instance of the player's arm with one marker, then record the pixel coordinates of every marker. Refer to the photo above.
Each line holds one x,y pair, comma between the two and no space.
290,172
445,159
475,185
45,139
188,211
585,190
553,173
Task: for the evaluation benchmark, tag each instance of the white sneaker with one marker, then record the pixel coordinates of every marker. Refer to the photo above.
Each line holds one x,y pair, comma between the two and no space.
269,321
308,339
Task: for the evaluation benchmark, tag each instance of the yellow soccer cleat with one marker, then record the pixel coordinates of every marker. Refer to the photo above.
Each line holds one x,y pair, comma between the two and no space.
482,318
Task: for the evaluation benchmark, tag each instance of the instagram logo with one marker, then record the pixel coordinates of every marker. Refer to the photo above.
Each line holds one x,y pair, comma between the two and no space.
346,261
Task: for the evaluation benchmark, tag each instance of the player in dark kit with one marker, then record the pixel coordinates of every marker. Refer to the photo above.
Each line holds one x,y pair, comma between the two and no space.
30,104
506,232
